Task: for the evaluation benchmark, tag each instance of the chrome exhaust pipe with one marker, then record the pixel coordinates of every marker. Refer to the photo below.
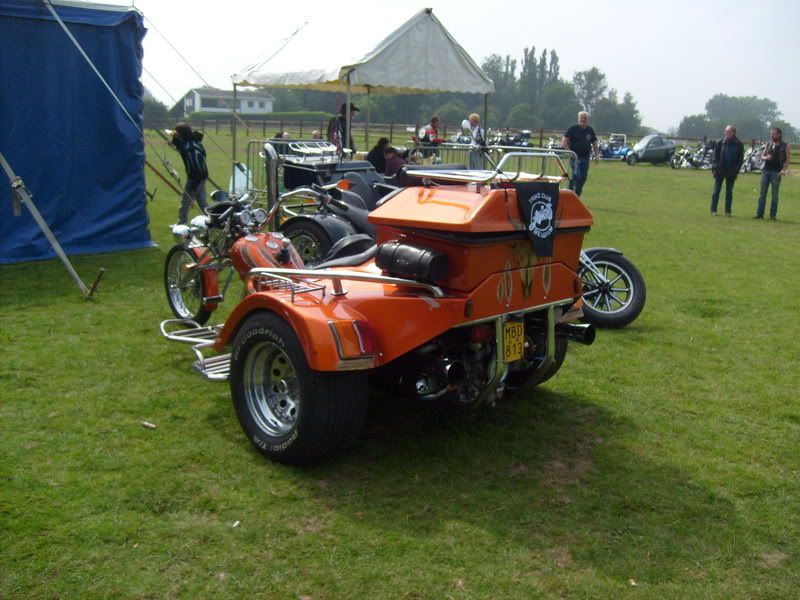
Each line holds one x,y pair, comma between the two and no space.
455,373
583,333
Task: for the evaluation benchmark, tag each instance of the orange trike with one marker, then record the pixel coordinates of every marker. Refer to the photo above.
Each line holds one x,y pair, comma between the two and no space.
468,291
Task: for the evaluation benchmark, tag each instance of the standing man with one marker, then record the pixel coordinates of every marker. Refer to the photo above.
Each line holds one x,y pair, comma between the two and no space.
190,145
337,128
725,163
581,140
776,161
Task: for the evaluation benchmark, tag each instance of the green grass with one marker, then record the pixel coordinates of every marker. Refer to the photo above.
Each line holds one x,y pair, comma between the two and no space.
666,455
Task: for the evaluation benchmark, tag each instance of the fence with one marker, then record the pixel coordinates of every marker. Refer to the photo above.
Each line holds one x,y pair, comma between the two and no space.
396,133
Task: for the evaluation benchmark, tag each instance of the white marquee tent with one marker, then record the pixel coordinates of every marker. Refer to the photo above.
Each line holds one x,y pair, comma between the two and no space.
419,57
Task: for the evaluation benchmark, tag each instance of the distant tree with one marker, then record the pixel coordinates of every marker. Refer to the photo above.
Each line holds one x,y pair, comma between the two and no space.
590,86
553,71
452,112
154,112
558,106
523,116
502,70
529,85
694,126
734,108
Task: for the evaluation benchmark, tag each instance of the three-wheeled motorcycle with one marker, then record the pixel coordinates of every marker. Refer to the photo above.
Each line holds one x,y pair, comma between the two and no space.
466,292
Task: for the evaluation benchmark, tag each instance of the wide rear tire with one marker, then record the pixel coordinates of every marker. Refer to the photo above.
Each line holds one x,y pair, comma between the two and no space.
291,413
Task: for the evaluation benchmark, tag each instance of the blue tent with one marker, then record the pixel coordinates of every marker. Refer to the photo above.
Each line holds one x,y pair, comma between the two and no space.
64,134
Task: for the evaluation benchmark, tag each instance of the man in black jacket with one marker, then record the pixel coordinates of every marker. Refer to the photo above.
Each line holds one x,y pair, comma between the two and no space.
190,145
725,164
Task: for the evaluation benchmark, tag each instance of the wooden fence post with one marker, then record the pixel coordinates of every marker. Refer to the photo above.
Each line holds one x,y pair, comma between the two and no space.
391,133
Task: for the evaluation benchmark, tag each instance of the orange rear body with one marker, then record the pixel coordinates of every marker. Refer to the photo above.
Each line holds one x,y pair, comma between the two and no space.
491,271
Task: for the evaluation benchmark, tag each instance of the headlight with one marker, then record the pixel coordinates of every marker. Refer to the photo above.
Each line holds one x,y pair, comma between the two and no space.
260,216
182,233
200,222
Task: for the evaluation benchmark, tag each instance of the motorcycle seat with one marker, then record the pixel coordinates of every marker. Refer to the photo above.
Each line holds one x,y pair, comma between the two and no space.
348,252
363,185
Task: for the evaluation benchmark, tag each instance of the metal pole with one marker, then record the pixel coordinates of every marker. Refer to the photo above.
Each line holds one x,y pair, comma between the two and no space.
366,126
348,111
233,124
486,115
18,190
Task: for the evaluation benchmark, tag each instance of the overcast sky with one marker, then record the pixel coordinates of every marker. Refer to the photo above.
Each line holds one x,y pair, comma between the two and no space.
671,55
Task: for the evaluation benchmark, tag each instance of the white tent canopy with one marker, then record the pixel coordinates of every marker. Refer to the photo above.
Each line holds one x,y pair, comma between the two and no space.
419,57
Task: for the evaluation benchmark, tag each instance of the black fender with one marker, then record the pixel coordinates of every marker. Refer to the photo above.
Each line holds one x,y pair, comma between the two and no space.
591,252
336,227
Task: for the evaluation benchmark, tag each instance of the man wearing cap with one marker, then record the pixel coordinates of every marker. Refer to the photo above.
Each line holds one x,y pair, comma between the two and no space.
337,127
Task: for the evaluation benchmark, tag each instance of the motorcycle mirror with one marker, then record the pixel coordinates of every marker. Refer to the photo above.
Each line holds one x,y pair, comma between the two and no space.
219,196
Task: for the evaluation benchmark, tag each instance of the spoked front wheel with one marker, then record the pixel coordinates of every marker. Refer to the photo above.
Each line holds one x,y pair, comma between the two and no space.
185,286
613,292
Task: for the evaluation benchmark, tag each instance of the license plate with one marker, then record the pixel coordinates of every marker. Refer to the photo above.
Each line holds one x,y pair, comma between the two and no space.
513,340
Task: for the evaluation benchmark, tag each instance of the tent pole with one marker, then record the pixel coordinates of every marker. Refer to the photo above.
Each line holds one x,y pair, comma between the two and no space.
486,115
366,127
233,124
21,195
348,111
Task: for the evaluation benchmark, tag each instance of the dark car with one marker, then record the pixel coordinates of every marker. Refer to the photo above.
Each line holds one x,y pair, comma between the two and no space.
653,148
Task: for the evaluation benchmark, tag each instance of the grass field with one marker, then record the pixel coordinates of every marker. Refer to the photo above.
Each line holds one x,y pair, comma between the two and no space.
661,462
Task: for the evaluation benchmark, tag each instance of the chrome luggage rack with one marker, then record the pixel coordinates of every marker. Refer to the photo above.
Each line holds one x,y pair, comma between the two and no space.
483,176
215,368
284,279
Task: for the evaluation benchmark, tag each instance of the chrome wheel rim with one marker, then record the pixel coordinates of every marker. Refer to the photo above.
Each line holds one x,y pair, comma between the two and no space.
185,292
271,389
307,246
612,293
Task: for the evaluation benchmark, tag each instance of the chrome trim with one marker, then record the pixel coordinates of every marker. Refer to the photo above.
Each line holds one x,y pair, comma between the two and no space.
344,275
538,307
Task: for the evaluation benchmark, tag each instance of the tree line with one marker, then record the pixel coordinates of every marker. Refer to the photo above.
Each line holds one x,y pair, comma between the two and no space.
752,117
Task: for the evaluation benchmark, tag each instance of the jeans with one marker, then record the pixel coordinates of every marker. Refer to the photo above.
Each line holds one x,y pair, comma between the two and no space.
580,172
194,190
767,178
729,181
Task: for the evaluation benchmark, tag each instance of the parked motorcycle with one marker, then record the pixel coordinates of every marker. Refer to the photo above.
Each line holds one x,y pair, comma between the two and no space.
202,252
752,159
452,302
614,291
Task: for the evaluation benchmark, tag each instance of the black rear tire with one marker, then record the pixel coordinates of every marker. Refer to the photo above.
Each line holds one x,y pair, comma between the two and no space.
291,413
185,296
622,303
631,159
310,240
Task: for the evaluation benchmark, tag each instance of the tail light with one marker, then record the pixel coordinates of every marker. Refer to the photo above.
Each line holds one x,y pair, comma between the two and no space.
354,339
481,333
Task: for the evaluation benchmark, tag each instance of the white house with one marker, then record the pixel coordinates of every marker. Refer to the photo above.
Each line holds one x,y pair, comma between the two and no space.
213,100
